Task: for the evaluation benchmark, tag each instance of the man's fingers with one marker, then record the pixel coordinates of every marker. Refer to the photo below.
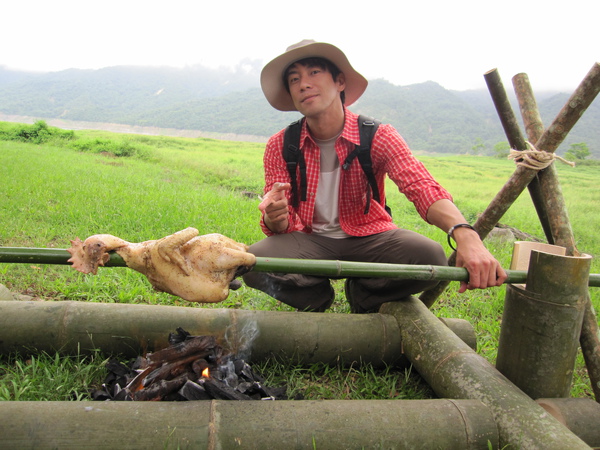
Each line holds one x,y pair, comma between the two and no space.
276,193
278,187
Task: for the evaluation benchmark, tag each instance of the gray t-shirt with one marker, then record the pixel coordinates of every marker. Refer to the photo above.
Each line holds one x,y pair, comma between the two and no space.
326,219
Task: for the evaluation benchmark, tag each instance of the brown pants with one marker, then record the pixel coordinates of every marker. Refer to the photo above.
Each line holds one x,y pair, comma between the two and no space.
313,293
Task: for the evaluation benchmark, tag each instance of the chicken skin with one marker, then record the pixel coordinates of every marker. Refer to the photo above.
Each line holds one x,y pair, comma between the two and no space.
195,268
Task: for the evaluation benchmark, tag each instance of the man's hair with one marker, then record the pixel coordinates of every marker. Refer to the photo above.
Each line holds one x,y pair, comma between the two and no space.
321,63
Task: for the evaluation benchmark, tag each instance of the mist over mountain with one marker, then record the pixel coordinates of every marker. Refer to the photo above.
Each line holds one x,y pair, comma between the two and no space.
431,118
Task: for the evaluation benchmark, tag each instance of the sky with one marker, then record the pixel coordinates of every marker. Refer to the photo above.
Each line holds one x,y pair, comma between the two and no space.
453,43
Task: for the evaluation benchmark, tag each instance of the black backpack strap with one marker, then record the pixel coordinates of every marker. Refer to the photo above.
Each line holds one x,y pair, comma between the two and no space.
366,128
294,159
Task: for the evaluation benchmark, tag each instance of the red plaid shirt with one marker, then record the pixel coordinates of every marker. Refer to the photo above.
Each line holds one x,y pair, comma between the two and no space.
390,155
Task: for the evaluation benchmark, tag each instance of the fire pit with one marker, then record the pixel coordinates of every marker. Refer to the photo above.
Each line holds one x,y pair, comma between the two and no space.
191,368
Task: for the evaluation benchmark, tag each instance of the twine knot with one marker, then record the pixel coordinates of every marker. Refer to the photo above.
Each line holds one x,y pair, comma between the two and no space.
535,159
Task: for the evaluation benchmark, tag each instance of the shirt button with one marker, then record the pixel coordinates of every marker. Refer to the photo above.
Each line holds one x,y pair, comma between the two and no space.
312,194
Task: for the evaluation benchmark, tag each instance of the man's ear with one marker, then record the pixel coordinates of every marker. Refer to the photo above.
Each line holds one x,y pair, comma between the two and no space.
341,81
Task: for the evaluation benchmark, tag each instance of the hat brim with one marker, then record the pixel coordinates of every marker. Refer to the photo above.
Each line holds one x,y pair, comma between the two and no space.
271,77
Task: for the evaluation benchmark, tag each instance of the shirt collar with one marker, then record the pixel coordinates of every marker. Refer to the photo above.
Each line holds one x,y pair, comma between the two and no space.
350,131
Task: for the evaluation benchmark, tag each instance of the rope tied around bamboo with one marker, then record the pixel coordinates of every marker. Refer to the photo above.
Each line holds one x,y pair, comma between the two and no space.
535,159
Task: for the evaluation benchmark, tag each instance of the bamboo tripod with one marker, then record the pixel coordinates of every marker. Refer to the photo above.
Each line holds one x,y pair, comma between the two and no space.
543,185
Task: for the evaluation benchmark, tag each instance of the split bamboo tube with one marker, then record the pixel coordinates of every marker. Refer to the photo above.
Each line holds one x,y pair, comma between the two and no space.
453,370
131,330
331,424
541,323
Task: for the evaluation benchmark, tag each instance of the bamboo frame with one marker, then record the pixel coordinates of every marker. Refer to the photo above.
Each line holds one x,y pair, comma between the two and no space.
299,424
455,371
72,327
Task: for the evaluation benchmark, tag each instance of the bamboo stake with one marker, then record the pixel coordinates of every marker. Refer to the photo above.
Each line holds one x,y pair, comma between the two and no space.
318,267
561,227
552,137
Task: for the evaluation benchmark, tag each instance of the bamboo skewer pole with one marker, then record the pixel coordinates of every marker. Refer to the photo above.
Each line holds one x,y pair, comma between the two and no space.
329,268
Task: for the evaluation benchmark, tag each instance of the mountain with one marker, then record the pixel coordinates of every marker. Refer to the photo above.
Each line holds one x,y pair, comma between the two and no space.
431,118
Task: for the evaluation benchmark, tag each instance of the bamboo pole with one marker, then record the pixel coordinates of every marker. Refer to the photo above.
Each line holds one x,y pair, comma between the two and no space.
319,267
218,424
517,142
551,198
541,324
70,327
455,371
580,415
561,227
552,137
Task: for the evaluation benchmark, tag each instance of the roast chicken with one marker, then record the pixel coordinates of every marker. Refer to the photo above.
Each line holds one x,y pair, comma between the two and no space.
195,268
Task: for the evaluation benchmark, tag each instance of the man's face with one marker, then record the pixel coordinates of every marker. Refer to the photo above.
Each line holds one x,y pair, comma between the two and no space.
313,89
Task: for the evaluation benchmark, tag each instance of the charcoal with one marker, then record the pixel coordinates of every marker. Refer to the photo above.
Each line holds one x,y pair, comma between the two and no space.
180,335
244,386
139,363
279,392
220,391
201,345
123,395
193,391
160,389
175,374
198,366
174,397
100,395
118,369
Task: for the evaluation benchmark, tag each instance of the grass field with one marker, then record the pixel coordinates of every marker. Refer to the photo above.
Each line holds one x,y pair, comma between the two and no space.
76,186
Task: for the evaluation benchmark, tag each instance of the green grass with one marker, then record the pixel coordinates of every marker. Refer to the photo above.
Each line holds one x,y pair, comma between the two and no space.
47,377
66,188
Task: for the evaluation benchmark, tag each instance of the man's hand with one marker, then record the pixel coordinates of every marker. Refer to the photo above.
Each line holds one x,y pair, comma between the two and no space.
484,270
275,207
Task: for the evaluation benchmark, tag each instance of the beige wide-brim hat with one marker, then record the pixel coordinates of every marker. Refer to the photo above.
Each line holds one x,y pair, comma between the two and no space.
271,77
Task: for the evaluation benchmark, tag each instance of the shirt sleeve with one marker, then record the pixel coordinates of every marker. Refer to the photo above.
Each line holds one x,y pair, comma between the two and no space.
406,171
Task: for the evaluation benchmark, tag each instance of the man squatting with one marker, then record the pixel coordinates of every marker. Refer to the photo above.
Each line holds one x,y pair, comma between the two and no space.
317,80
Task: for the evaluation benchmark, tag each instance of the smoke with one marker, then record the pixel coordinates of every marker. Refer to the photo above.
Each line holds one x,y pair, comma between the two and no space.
240,345
240,341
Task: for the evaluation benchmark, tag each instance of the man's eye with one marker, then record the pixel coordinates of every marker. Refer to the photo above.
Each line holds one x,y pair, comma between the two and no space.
293,80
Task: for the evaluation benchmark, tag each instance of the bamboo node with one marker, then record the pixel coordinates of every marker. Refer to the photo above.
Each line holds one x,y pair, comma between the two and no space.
535,159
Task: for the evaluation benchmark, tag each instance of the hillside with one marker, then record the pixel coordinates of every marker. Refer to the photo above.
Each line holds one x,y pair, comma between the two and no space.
431,118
